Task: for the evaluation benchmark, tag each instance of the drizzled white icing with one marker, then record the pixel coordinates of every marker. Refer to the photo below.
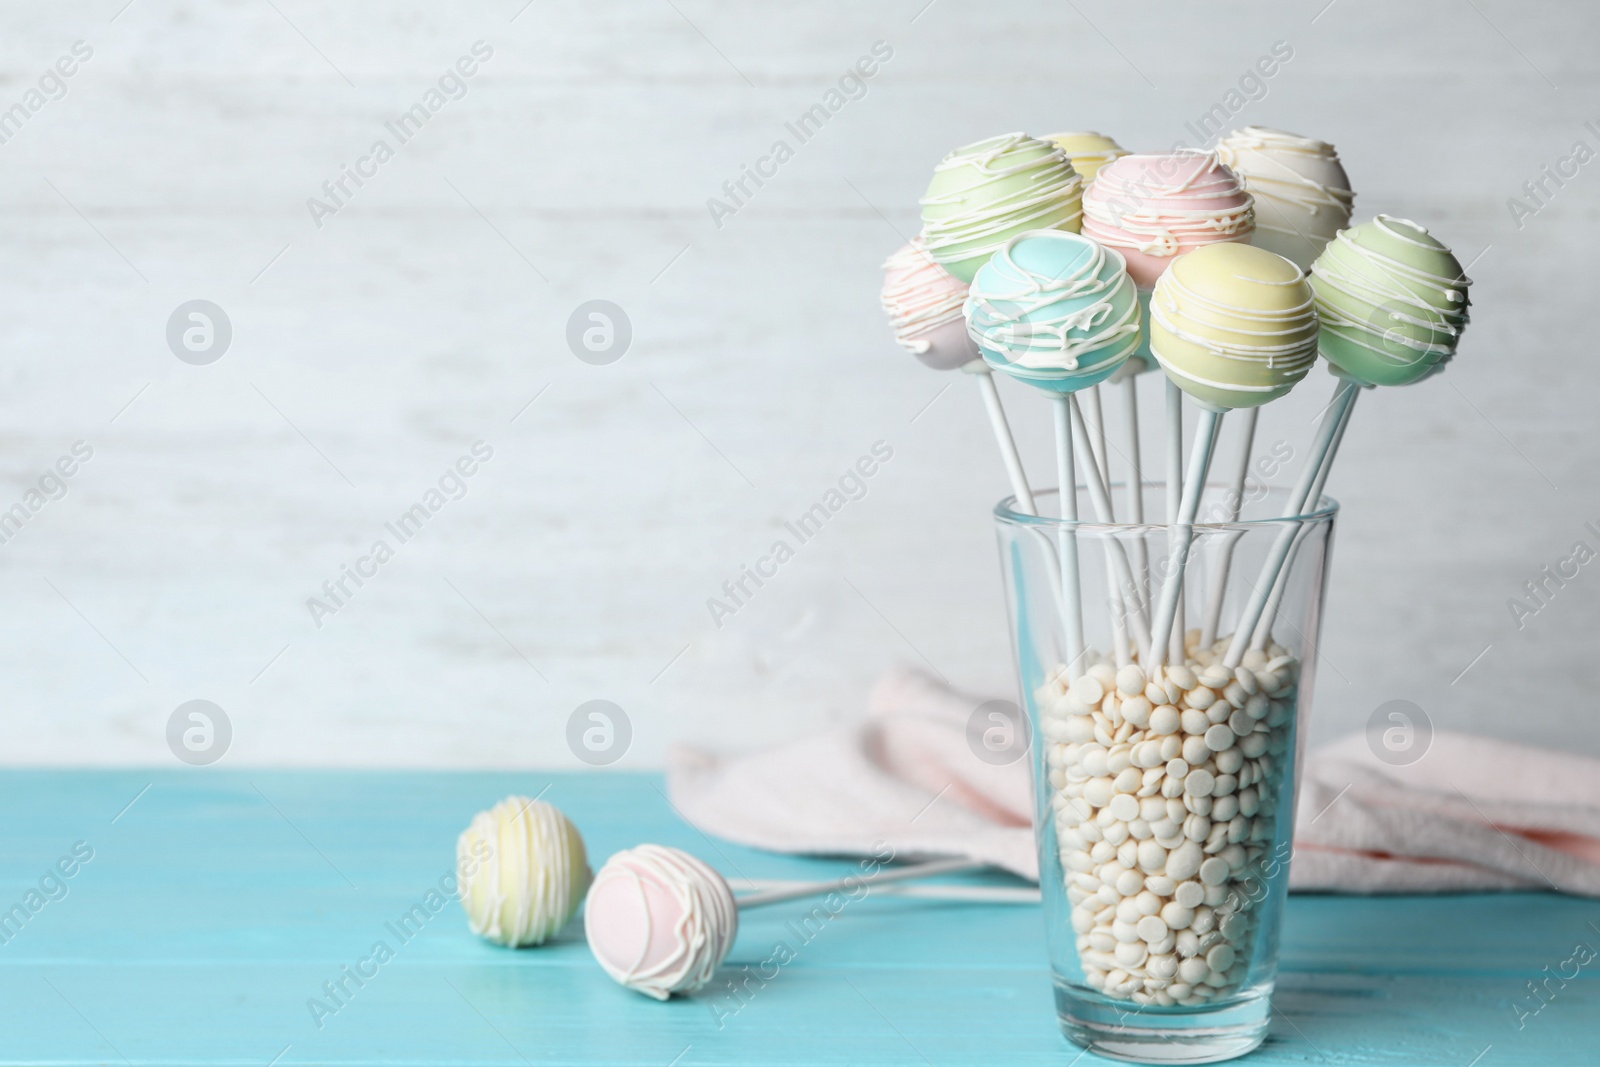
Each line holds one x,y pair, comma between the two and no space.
1393,291
974,220
921,298
1280,345
1160,205
702,918
1051,322
522,870
1302,194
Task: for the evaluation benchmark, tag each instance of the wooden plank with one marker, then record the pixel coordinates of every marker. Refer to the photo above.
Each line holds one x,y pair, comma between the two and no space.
220,902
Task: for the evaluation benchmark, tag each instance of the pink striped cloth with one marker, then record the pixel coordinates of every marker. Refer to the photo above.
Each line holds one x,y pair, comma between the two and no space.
1474,813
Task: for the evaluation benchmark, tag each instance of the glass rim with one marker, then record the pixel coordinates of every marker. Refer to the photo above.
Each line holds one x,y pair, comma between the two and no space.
1005,512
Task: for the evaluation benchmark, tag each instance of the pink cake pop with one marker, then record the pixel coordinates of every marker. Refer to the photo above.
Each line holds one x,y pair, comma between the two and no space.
923,301
1155,207
659,920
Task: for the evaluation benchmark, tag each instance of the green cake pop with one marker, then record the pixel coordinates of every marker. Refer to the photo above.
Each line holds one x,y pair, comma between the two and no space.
984,194
1392,299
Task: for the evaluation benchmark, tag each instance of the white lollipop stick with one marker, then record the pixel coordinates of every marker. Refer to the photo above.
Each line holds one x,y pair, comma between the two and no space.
1094,418
1263,631
882,877
1120,574
1002,435
1235,500
1094,431
1174,470
1067,487
1182,534
1141,557
1279,553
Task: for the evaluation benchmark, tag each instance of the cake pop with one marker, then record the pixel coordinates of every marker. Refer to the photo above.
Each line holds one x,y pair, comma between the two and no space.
1057,310
660,921
984,194
1393,302
1088,151
1152,208
923,302
1054,309
1302,195
1233,326
523,871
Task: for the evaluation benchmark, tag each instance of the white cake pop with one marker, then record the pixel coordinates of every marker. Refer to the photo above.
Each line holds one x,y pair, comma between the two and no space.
659,920
1301,191
523,871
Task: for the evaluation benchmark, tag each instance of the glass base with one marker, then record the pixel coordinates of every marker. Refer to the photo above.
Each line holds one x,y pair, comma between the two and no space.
1122,1030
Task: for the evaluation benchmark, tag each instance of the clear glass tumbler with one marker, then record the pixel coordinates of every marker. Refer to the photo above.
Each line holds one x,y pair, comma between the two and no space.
1165,779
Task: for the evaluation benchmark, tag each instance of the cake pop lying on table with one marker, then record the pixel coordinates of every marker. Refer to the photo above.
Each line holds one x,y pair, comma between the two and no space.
660,922
522,870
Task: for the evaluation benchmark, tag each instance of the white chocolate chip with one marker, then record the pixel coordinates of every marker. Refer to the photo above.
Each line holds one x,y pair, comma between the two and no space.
1165,720
1134,953
1124,806
1151,928
1214,871
1160,885
1220,958
1162,967
1184,862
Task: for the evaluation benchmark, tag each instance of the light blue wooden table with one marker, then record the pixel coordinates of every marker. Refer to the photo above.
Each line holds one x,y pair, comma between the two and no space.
217,903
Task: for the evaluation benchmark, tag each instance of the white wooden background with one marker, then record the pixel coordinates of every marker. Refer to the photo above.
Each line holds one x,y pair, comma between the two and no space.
425,315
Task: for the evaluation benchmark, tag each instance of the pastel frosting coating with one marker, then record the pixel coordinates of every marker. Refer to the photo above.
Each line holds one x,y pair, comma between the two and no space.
523,871
986,193
659,920
1302,194
1088,151
1155,207
1393,302
1054,309
923,302
1233,325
